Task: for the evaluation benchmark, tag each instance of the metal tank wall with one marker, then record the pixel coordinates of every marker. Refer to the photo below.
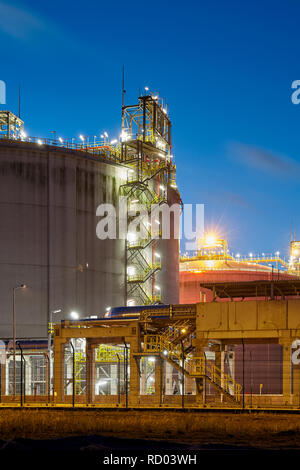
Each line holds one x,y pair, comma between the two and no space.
48,201
168,277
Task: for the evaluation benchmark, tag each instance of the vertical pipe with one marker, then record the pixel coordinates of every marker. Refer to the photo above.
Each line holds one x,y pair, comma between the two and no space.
204,381
243,373
182,371
21,350
48,376
251,379
73,381
49,318
119,391
126,372
14,342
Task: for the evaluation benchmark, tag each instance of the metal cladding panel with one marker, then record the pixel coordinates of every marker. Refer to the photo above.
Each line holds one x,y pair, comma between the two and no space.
66,267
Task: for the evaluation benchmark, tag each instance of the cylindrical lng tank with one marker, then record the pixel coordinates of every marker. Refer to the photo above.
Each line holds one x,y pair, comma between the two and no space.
48,202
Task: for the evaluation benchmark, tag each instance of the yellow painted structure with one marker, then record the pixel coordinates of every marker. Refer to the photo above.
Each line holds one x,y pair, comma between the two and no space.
178,340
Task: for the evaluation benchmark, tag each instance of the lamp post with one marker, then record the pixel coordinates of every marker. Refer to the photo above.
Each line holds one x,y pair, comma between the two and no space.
22,286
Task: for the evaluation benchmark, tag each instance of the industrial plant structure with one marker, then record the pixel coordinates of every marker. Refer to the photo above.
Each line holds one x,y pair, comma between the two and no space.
53,263
88,320
213,263
50,192
213,267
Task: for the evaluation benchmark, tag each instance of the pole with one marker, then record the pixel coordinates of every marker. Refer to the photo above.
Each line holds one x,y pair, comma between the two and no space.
18,343
22,286
49,375
119,390
243,373
126,372
182,371
251,379
73,381
14,342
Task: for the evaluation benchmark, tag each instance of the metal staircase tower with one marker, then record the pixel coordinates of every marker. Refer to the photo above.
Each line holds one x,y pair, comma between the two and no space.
146,152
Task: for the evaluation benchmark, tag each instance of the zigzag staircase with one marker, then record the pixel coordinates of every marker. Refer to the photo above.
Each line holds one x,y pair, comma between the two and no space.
168,346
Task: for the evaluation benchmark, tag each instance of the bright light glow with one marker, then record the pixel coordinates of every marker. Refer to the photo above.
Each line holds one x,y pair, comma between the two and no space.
238,255
165,353
250,254
23,135
162,187
277,253
146,88
131,236
130,303
39,142
74,315
135,201
108,308
106,134
81,137
124,136
130,270
60,139
210,239
114,141
157,255
157,287
164,110
183,330
151,359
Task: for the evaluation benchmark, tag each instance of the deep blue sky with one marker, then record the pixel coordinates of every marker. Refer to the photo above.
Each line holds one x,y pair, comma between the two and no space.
225,69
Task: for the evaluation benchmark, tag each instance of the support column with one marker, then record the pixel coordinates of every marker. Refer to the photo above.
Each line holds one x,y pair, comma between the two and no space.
90,388
58,369
169,379
158,380
286,370
296,385
134,387
200,344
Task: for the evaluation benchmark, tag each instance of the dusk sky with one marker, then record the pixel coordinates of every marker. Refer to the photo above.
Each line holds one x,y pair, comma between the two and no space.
225,69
